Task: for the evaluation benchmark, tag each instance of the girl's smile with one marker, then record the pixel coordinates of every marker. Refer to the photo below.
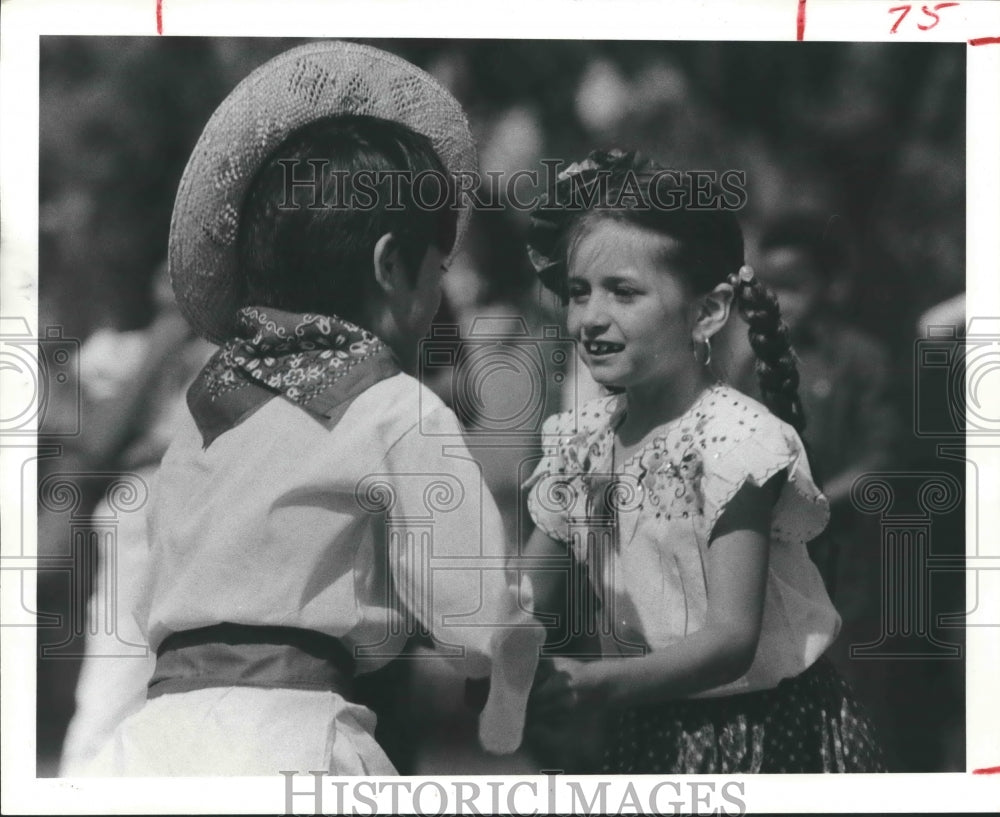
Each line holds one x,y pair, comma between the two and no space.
627,310
597,348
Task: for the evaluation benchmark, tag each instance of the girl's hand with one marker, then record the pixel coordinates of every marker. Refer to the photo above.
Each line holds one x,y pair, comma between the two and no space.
566,685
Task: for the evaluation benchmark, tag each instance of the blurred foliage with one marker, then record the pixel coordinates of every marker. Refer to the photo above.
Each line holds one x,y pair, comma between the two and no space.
872,132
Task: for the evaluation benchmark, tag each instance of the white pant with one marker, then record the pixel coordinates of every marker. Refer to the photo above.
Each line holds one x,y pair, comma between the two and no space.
115,673
244,732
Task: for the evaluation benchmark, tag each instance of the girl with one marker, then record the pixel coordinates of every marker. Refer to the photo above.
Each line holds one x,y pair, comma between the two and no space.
690,503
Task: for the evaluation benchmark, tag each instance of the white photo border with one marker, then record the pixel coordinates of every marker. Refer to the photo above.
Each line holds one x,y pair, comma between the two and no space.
829,20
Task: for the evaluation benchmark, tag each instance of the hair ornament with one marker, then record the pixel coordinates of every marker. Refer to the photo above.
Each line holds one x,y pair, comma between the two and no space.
744,276
549,219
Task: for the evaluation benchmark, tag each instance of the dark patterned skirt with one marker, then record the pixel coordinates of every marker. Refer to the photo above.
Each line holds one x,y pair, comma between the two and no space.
810,723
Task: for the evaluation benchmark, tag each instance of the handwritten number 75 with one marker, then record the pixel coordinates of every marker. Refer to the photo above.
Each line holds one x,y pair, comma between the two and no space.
928,12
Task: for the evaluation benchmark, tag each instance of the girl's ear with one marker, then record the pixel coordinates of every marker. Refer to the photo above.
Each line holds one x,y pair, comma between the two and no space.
714,312
388,264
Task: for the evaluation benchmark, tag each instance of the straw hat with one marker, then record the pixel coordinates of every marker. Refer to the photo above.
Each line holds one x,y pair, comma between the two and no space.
307,83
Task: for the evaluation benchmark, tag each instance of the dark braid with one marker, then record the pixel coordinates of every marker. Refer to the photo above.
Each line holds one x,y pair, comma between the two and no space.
776,366
710,253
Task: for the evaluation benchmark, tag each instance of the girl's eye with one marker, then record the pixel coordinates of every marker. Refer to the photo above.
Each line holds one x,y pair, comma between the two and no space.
625,293
577,292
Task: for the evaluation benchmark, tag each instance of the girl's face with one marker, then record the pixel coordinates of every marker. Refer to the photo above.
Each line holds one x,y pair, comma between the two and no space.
628,309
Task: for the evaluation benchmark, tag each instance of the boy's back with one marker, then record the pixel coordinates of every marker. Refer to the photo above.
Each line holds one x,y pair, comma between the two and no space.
290,506
318,507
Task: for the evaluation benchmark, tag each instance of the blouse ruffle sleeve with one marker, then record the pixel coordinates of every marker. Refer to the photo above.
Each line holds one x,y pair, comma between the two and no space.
753,451
553,488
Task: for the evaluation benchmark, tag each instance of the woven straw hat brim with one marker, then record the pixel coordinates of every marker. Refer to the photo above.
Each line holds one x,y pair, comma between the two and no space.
293,89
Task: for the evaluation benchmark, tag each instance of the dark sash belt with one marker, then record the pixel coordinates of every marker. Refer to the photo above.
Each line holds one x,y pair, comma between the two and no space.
224,655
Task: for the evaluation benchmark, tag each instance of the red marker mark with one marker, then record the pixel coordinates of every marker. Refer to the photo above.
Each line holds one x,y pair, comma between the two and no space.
986,41
988,769
932,14
159,16
800,21
905,10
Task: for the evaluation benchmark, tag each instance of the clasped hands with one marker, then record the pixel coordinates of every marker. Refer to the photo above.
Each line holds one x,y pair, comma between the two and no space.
564,684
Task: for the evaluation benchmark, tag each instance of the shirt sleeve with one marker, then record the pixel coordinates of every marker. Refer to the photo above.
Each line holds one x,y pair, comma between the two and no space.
801,511
551,493
449,561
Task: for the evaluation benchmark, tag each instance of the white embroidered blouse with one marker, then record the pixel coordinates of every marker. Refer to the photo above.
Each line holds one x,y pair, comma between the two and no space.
666,500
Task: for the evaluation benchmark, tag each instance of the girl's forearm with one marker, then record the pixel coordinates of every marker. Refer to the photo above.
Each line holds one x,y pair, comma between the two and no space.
724,648
702,661
548,581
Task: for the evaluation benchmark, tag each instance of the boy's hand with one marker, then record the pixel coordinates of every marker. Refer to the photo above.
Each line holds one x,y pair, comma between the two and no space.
552,742
565,685
545,669
562,730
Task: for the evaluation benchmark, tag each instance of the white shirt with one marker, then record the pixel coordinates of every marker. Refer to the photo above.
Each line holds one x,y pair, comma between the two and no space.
358,527
670,495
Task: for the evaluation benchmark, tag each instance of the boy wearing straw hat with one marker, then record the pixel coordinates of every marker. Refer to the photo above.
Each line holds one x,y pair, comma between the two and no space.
318,504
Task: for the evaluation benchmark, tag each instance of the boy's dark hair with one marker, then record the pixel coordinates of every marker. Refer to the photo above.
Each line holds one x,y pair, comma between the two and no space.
307,247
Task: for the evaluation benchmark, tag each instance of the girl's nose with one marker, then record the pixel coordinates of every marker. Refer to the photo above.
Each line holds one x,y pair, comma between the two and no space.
594,318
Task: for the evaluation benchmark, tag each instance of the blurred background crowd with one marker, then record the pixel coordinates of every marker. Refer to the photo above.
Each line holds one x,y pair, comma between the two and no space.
855,173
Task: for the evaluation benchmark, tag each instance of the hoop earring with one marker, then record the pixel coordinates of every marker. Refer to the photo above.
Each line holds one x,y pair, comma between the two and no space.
704,358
